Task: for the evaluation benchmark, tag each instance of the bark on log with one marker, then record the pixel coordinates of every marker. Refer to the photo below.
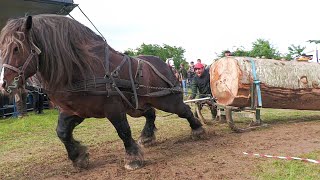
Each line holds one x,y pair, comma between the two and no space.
284,84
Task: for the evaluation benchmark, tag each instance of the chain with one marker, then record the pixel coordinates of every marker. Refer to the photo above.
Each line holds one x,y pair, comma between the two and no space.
14,84
161,88
171,89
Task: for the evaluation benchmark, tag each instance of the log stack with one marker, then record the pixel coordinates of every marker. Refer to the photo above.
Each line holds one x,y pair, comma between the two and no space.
283,84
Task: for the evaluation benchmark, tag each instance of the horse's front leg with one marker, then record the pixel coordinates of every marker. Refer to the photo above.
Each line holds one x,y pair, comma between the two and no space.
77,153
134,155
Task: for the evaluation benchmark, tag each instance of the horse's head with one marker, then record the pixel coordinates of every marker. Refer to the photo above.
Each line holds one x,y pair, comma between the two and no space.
18,54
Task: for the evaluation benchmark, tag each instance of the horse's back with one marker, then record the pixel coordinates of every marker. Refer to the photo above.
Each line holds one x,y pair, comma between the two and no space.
161,66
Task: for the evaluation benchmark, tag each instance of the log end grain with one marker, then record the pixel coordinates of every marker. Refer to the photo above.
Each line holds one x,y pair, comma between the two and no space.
224,80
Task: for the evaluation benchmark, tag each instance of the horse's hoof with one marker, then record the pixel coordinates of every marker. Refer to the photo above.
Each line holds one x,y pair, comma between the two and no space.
133,165
199,133
147,141
82,162
134,162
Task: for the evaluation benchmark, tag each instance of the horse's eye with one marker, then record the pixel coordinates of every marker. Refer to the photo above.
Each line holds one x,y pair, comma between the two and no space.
15,50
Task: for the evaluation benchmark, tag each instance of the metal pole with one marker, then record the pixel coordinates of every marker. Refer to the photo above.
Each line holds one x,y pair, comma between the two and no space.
194,100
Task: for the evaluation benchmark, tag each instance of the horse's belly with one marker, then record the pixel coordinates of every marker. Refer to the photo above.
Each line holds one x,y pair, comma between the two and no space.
87,106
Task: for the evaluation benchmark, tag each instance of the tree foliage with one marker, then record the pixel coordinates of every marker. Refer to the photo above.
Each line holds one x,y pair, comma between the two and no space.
163,52
262,48
314,41
294,51
241,52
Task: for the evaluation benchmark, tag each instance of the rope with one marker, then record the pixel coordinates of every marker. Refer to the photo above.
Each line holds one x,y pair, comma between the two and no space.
283,157
91,23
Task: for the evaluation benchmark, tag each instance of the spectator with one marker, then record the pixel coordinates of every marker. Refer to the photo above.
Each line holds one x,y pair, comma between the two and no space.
201,83
183,75
199,61
21,102
191,73
227,53
33,85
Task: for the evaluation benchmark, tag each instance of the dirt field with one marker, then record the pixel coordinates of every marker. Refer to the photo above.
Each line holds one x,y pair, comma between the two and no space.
218,157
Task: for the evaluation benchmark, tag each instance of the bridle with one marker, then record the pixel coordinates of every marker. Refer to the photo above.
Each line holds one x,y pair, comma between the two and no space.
34,52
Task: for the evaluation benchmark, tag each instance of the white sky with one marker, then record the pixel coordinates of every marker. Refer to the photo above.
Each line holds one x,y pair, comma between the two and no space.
203,27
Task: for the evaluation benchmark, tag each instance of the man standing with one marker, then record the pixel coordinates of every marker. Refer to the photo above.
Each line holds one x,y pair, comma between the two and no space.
183,78
21,102
190,73
34,86
201,83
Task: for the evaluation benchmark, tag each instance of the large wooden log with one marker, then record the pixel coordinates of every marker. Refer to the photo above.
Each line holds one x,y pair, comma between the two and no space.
284,84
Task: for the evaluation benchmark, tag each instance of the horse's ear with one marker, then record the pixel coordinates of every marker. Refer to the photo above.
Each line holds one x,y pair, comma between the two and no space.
28,24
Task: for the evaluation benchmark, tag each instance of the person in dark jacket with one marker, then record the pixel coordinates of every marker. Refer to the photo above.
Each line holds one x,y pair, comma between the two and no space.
201,84
21,102
34,86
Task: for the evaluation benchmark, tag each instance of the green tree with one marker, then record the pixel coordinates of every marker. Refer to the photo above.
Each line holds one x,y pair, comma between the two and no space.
241,52
163,52
238,52
314,41
262,48
294,51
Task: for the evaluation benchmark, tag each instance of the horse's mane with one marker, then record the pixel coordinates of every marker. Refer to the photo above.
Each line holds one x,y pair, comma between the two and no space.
67,47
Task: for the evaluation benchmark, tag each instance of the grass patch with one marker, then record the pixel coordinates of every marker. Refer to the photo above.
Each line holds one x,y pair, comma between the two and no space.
290,170
30,140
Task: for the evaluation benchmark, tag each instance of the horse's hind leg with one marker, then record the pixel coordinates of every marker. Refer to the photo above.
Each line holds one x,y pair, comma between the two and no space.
134,159
184,111
77,153
147,137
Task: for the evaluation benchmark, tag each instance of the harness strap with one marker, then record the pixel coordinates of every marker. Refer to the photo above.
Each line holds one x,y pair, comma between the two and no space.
12,68
34,51
157,72
115,72
133,87
107,68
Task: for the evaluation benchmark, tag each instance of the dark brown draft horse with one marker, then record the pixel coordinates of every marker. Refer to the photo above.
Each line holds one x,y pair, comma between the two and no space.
86,78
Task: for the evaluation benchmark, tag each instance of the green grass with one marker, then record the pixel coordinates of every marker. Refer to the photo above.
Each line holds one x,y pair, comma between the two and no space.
274,116
28,141
290,170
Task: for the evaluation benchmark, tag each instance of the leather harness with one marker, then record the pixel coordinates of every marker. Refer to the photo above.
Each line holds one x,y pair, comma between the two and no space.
111,81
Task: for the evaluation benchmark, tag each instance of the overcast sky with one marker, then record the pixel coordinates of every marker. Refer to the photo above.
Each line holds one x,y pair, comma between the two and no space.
203,27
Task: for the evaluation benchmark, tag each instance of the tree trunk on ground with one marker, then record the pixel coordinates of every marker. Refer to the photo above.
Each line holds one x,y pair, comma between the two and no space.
284,84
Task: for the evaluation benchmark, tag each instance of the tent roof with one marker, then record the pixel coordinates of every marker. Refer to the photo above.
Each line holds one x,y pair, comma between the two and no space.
19,8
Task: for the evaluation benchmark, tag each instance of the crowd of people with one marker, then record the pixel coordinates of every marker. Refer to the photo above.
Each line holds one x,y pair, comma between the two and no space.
197,78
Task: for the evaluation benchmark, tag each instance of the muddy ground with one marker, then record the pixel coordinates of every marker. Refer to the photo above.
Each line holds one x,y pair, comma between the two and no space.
220,156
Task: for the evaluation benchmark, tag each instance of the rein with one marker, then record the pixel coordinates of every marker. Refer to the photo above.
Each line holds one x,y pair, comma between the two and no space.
21,70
